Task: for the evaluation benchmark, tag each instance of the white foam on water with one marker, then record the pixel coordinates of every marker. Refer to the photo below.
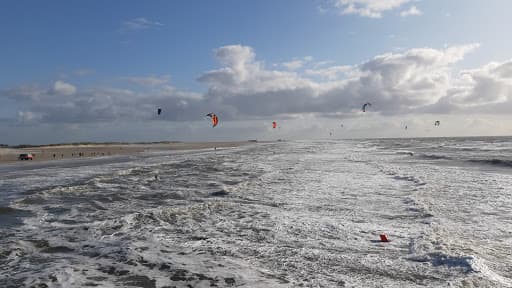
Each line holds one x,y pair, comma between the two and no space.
268,215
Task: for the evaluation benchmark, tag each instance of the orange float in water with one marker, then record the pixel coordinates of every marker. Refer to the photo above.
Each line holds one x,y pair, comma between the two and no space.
383,238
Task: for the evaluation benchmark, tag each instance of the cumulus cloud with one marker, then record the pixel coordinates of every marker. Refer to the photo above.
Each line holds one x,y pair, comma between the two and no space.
368,8
415,81
138,24
43,105
400,85
395,82
64,88
241,74
487,89
400,82
413,11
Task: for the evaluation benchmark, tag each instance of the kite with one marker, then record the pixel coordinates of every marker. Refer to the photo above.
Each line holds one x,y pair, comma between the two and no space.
215,119
365,105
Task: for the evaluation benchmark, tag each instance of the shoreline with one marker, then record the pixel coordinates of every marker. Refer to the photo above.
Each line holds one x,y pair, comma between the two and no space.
66,151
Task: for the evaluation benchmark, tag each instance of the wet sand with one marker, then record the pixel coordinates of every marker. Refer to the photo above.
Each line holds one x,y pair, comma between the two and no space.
59,152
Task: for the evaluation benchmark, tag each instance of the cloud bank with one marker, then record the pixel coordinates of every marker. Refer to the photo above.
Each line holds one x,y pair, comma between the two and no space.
417,80
414,82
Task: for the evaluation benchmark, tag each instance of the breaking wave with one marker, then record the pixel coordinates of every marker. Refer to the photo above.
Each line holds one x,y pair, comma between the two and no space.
493,162
294,214
434,157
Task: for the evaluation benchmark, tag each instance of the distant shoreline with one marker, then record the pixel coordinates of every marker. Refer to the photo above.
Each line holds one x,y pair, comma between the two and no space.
83,150
74,144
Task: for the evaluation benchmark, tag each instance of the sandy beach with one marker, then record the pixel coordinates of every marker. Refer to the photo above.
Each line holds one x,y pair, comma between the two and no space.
65,151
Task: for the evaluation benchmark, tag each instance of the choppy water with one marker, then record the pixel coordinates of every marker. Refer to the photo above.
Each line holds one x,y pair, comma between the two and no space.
285,214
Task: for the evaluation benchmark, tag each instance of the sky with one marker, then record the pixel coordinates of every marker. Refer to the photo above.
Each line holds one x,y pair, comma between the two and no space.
75,71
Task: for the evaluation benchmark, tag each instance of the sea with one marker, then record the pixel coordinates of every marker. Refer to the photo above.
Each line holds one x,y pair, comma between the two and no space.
277,214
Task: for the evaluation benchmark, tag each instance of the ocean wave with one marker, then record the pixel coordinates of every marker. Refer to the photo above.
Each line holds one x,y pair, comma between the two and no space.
467,263
493,161
507,163
11,216
441,259
434,157
8,210
298,218
410,153
409,178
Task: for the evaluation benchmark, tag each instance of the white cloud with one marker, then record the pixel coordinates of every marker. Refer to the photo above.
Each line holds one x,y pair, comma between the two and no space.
297,63
330,73
242,74
400,84
64,88
101,104
368,8
413,11
395,82
140,23
486,89
293,65
150,81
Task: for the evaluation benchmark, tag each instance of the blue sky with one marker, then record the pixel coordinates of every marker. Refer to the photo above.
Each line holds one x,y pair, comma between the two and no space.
234,57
